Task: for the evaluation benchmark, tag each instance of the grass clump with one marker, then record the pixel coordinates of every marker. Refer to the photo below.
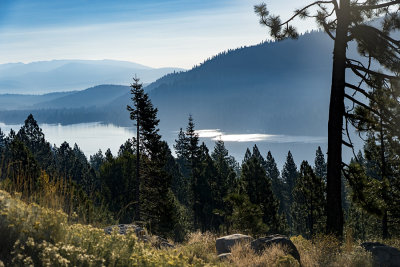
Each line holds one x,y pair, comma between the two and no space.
326,250
243,255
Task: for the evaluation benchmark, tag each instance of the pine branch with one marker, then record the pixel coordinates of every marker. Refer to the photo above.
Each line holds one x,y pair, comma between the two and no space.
370,7
363,77
336,5
328,32
300,11
371,72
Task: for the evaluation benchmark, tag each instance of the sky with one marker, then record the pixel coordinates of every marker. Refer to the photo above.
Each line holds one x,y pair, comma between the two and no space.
155,33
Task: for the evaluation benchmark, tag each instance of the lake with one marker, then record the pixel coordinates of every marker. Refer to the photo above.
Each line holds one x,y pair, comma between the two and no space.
91,137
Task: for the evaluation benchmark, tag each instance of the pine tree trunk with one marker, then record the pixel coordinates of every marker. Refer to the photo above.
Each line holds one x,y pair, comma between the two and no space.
335,124
385,231
137,187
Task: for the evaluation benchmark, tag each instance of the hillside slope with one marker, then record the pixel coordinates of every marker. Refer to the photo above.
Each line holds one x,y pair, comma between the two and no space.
274,87
278,88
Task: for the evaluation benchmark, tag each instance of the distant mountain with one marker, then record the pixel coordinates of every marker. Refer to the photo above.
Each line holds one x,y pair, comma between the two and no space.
274,87
68,75
97,96
17,102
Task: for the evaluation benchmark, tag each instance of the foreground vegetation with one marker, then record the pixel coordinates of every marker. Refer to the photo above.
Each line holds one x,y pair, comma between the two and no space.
37,236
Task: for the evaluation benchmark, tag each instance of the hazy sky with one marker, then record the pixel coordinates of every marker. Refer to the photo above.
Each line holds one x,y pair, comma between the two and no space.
156,33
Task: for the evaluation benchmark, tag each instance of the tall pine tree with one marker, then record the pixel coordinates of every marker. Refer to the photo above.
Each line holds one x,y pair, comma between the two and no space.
147,137
259,190
277,183
289,177
308,203
346,21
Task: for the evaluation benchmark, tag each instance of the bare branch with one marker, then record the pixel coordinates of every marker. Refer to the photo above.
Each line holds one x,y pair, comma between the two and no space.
361,104
358,89
357,67
347,144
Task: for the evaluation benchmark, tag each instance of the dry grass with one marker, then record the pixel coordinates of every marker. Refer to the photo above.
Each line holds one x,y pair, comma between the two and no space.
328,251
201,246
243,255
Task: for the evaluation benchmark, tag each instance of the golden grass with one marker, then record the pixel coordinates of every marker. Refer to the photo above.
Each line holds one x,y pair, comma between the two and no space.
243,255
39,236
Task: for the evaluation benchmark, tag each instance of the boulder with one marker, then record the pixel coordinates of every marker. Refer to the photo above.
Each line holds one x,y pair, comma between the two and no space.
225,243
162,243
260,244
382,254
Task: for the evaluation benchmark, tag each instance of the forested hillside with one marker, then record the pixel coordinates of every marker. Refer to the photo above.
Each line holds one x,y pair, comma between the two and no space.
274,87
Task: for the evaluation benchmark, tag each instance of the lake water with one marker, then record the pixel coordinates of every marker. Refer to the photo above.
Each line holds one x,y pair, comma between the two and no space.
91,137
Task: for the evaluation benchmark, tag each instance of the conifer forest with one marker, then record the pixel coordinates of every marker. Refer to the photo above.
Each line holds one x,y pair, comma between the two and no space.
186,203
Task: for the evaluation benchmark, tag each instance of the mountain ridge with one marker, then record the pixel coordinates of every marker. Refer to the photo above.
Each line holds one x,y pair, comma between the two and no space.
68,75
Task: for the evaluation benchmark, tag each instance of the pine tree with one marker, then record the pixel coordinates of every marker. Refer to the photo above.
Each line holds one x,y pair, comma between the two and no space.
97,160
247,156
193,153
147,137
289,177
204,195
21,166
308,202
257,155
380,146
357,217
118,178
2,140
224,179
109,155
277,183
128,147
244,216
320,165
33,138
345,21
160,207
259,190
181,151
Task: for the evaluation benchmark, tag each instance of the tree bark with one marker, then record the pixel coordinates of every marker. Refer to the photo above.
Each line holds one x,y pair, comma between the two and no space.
137,187
385,230
335,124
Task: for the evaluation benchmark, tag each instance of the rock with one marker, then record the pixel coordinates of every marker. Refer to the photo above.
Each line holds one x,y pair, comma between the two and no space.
166,245
259,245
162,243
224,256
224,244
382,254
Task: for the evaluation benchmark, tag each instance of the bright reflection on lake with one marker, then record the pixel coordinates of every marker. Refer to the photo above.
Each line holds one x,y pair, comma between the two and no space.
217,134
